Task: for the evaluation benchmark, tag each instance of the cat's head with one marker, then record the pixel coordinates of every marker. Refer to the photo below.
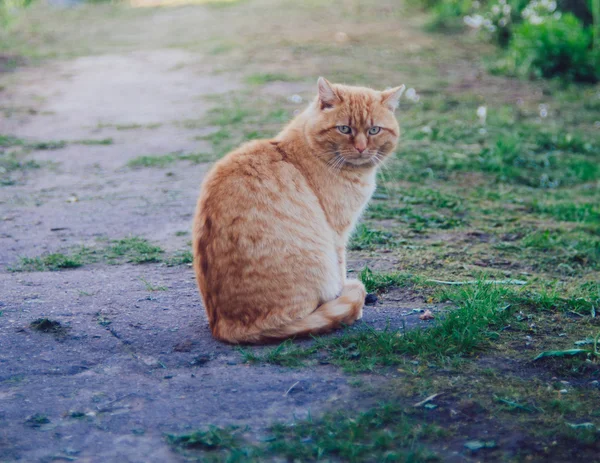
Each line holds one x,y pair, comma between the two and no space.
353,126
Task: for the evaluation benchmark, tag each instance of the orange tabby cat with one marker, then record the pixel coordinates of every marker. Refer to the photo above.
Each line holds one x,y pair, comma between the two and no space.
274,217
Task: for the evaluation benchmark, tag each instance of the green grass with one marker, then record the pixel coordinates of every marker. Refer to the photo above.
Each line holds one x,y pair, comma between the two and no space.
48,145
50,262
376,282
165,160
180,258
211,439
135,250
261,79
151,287
383,433
365,238
568,211
569,250
462,331
12,152
93,141
286,354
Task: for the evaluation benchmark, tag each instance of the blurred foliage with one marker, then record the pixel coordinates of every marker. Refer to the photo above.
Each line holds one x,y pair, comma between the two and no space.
557,46
543,38
8,8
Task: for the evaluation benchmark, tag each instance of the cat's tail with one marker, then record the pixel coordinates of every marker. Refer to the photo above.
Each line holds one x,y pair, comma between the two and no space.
344,310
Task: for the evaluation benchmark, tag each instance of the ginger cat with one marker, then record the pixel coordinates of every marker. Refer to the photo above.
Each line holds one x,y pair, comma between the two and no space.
274,217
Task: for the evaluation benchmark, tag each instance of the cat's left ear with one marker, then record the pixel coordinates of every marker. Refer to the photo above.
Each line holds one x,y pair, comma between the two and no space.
391,98
327,96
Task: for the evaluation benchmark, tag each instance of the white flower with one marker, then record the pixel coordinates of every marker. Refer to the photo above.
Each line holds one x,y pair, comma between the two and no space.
496,9
506,10
502,22
482,114
474,21
411,94
543,111
295,99
535,19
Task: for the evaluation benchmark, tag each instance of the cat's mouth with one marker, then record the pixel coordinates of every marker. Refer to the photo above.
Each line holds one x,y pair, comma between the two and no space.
361,159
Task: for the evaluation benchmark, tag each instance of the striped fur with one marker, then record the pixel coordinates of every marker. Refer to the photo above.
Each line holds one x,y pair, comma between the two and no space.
274,217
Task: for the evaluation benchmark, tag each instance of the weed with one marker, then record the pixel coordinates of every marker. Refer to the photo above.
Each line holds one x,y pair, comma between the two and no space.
380,282
383,433
37,420
261,79
55,261
568,212
150,287
366,238
48,145
181,258
286,354
133,249
211,439
91,141
167,159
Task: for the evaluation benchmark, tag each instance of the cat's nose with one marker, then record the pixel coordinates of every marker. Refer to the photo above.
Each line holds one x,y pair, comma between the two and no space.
360,143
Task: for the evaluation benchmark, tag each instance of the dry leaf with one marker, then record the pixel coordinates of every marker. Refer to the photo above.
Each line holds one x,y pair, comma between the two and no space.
427,315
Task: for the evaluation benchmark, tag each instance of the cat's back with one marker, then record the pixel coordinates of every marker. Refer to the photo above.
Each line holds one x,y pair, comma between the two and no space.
255,190
258,227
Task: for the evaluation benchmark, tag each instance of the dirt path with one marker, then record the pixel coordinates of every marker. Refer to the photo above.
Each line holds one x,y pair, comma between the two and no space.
131,364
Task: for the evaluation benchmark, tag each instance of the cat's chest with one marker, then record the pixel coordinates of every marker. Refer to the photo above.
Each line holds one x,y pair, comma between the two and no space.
348,202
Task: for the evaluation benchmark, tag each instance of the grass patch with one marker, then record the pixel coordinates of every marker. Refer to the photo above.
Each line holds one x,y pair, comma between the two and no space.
565,250
12,151
181,258
365,238
377,282
50,262
382,433
462,331
47,145
211,439
265,78
92,141
569,211
151,287
164,160
134,249
286,354
480,310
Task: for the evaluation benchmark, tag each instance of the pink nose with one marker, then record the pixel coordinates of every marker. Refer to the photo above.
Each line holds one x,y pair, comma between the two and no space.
360,149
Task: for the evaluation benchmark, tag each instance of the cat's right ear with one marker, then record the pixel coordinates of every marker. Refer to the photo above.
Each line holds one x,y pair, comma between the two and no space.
327,95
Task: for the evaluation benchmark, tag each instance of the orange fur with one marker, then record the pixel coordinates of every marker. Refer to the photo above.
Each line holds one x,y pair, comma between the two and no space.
274,217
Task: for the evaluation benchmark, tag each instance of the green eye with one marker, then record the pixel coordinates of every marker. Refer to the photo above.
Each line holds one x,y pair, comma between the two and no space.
374,130
344,129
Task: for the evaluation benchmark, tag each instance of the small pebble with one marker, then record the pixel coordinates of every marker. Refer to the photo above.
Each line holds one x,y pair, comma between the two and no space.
371,299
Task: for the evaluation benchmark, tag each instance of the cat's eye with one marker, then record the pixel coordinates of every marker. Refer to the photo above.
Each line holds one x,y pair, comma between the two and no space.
344,129
374,130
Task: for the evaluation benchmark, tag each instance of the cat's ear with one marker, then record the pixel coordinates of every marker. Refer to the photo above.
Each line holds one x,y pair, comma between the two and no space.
327,96
391,98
